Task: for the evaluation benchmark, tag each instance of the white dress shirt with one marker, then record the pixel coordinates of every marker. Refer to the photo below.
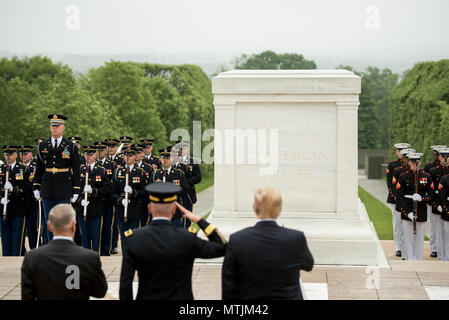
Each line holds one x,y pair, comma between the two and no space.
58,140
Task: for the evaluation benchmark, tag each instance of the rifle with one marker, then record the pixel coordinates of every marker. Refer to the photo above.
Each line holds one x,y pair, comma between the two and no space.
5,207
85,193
40,220
415,203
125,214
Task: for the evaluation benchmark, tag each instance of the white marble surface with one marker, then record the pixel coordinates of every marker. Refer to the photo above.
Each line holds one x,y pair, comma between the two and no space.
437,292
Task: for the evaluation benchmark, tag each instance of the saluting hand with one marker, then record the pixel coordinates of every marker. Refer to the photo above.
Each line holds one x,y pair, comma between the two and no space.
188,214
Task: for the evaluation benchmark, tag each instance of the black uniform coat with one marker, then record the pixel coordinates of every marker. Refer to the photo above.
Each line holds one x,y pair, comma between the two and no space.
60,184
391,166
178,178
443,195
138,198
101,189
30,172
396,174
44,272
153,161
163,256
263,262
109,167
194,177
436,172
19,178
147,169
406,186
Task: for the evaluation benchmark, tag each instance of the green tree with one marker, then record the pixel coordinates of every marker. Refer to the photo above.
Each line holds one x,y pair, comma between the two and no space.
420,107
271,60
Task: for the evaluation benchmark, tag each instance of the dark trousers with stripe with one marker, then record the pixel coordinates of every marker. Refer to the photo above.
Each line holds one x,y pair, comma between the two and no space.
115,231
31,227
48,204
91,232
13,235
106,232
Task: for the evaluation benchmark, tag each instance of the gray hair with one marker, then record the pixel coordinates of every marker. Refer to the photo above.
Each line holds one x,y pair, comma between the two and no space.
61,216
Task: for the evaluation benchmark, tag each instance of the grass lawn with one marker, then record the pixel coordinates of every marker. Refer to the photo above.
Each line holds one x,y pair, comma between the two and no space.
379,214
206,182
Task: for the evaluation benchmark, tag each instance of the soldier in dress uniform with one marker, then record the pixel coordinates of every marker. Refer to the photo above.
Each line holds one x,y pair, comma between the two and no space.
169,174
391,200
441,194
436,171
77,142
149,157
194,169
57,177
43,233
410,193
126,142
163,255
109,166
119,162
136,194
17,186
28,161
148,169
97,189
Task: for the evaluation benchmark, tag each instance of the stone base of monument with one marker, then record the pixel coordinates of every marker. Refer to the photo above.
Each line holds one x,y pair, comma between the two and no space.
332,242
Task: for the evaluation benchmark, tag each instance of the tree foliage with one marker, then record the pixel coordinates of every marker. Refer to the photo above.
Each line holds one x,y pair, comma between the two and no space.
420,107
119,98
271,60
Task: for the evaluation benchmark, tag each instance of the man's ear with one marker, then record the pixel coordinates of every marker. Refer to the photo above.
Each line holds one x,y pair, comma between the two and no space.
49,227
73,226
149,208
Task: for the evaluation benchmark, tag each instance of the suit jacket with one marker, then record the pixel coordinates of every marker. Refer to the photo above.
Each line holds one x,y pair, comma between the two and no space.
45,273
58,184
263,262
163,257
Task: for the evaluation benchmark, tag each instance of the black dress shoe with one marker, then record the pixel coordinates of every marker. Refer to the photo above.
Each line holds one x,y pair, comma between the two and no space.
398,253
434,254
114,251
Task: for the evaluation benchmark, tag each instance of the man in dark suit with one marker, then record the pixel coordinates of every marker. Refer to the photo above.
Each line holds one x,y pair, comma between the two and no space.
61,270
162,254
263,262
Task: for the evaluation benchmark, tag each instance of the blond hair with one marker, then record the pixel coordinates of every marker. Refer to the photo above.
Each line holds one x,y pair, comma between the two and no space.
267,203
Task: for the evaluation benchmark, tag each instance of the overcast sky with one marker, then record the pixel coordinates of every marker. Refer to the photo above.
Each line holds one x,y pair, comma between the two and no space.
371,32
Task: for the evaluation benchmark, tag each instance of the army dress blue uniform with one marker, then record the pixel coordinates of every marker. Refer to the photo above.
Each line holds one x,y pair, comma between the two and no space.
92,224
32,205
13,223
178,178
148,170
57,175
108,218
137,198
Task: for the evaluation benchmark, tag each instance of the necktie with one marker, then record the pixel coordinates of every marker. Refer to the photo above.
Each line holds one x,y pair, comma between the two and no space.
56,144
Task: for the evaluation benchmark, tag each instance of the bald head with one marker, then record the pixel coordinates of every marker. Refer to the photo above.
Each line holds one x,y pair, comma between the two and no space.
162,209
62,220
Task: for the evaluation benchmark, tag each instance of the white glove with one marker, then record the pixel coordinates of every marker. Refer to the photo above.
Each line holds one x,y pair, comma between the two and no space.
8,186
416,197
4,201
128,189
74,198
88,189
410,216
440,209
84,203
37,194
124,202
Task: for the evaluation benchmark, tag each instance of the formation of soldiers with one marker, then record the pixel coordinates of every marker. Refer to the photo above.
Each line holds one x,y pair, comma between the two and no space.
105,183
416,194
